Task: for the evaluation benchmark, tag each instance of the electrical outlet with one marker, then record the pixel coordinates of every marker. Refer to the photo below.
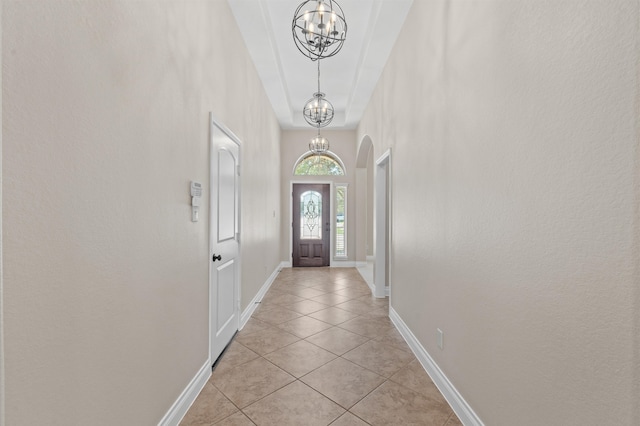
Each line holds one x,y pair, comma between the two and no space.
440,339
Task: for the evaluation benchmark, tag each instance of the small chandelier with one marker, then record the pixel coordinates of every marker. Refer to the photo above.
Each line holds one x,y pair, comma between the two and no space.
319,144
318,111
319,28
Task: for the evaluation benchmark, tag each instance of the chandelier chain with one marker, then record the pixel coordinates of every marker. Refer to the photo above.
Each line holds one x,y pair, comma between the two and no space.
318,76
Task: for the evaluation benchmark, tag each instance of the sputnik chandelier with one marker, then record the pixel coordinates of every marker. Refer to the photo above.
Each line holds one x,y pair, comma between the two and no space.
319,144
319,28
319,31
318,111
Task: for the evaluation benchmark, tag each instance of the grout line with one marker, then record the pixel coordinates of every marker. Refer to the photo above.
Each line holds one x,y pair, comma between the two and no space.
337,326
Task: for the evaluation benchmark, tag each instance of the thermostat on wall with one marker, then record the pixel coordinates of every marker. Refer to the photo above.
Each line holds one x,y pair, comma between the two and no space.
196,189
196,193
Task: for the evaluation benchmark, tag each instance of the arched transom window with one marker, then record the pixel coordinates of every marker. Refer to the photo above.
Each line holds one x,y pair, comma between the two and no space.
319,165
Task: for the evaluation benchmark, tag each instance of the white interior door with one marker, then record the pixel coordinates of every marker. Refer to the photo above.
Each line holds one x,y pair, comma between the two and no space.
224,233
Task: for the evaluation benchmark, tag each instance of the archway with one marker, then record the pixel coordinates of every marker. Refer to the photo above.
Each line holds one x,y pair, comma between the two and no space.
365,244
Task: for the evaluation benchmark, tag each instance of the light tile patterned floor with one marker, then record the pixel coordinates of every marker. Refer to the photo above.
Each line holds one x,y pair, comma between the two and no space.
319,350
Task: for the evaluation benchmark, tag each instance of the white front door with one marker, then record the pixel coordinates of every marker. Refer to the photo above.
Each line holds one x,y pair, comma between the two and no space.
224,232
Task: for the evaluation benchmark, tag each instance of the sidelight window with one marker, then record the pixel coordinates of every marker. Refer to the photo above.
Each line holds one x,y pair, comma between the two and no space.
341,222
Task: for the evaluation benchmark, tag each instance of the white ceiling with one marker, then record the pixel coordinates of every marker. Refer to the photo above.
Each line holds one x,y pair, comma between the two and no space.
347,79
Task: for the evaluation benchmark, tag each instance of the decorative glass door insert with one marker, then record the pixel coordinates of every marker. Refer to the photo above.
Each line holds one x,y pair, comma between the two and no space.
311,215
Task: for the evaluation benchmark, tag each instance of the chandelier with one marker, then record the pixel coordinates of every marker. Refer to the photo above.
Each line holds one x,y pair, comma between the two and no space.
319,144
318,111
319,28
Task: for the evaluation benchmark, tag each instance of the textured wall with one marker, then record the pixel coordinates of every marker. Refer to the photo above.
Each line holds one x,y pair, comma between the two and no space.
296,143
106,107
2,410
514,134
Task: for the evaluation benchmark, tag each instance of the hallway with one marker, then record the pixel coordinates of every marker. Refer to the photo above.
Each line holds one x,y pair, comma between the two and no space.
318,351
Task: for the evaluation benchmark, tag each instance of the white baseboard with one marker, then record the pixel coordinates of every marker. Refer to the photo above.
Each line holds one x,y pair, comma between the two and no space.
343,264
371,287
361,264
186,398
246,314
371,258
191,392
462,409
334,264
367,275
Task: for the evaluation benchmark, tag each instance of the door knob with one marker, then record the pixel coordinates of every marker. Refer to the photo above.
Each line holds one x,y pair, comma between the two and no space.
218,257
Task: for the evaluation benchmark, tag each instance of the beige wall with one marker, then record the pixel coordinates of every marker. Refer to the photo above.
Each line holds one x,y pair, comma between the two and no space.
514,136
371,164
106,110
294,144
2,410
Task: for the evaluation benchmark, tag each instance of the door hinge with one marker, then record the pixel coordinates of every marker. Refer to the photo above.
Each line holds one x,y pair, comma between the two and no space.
238,169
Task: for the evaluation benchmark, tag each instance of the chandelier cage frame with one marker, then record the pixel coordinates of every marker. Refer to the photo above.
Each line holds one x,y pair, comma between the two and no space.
314,37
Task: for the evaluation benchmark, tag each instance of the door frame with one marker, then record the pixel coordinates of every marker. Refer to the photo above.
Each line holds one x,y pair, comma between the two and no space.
238,291
332,218
382,205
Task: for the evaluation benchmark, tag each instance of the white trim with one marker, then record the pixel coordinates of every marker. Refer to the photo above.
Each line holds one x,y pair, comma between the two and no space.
360,264
384,158
382,207
249,310
371,259
343,264
187,397
462,409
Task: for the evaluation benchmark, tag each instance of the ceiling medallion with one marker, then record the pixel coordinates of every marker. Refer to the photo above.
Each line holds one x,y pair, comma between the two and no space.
319,28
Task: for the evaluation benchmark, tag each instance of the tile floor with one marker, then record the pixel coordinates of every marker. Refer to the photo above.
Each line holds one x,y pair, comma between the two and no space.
319,350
